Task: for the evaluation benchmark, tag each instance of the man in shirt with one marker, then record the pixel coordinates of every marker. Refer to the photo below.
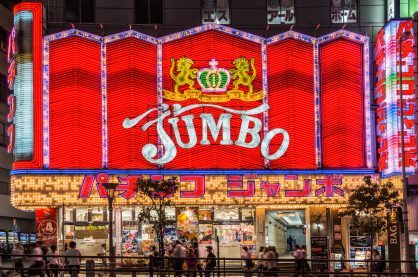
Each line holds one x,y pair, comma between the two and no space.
73,259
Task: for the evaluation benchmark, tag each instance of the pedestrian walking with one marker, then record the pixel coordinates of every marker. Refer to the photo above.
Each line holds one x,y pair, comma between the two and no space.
37,261
18,260
102,254
297,254
179,253
73,259
249,264
378,264
210,262
54,261
271,268
191,263
289,243
260,261
45,250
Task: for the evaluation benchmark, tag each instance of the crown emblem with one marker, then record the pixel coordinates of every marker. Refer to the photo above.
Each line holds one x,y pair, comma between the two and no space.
213,81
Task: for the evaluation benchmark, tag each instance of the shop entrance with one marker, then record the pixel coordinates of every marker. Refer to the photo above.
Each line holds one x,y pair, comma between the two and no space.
285,229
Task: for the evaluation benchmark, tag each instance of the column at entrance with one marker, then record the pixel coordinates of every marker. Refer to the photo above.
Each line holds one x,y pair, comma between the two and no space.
260,221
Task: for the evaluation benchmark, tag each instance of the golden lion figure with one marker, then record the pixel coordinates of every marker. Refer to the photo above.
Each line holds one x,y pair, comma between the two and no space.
240,73
186,74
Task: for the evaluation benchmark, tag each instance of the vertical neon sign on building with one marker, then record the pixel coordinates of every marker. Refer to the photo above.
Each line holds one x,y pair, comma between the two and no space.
387,93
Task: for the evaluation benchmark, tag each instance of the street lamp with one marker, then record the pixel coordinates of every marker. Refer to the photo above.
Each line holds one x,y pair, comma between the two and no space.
111,188
404,36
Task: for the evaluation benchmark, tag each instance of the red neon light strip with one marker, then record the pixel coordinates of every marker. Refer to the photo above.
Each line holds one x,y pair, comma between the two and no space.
342,110
131,91
36,9
291,99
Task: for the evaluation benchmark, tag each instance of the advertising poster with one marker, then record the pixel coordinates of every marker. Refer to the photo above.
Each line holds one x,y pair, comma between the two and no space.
46,225
247,233
205,234
130,239
228,234
170,234
205,214
319,253
187,225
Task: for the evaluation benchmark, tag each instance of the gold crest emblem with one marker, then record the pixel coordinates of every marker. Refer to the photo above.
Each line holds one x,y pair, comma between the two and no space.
213,81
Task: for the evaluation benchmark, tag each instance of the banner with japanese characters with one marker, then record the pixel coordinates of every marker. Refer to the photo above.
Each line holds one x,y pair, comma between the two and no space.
280,12
388,98
196,189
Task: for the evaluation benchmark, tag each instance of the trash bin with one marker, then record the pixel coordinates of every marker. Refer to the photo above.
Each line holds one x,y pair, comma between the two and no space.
90,268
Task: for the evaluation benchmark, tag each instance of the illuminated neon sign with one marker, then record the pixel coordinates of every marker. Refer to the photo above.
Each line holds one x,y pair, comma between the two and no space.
149,151
387,92
237,186
11,101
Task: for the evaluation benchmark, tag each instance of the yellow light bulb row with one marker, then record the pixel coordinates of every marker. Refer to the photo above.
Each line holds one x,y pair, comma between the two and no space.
29,191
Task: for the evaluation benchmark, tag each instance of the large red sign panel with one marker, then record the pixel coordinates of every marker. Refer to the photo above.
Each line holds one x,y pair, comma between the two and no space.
208,98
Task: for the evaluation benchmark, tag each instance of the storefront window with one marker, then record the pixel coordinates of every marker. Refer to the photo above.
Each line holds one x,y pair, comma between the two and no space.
127,215
247,214
226,214
82,215
97,215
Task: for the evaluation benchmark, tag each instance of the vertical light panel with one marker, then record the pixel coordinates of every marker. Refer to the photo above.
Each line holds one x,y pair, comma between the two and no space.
388,97
23,87
28,86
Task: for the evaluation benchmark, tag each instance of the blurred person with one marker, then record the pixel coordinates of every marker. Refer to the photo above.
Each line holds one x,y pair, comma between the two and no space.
298,255
260,259
45,250
378,264
73,259
37,260
271,268
54,260
305,264
179,253
18,260
191,263
248,262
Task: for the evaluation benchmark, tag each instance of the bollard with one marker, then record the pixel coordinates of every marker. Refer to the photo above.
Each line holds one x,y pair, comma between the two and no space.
90,268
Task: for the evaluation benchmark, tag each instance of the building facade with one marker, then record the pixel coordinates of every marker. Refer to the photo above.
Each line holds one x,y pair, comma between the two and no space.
9,216
265,113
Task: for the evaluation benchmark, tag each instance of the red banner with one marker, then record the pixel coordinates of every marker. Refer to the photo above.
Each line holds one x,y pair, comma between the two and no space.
46,225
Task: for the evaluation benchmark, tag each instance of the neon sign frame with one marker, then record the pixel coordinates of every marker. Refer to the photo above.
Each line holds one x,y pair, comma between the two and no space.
363,40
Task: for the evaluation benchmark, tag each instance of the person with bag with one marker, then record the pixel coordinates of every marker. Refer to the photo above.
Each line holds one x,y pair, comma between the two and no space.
54,260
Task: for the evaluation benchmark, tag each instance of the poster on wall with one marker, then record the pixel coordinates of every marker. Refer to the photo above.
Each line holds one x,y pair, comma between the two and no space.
319,253
46,225
247,231
130,239
228,234
187,225
205,234
170,234
205,214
